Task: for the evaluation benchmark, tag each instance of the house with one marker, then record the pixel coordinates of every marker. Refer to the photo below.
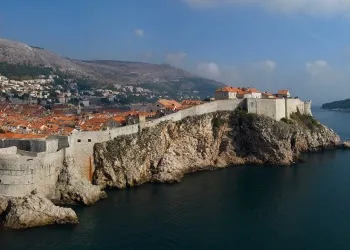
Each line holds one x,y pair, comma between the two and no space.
226,93
62,99
168,104
248,93
115,122
135,119
284,93
252,93
190,103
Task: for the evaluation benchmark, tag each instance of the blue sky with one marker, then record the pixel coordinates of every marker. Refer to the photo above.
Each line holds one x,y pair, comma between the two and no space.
303,45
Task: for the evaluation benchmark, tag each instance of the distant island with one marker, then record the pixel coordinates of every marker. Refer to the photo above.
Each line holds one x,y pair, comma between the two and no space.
343,105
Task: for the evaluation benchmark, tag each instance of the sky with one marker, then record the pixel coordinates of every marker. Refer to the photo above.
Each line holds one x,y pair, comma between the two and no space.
302,45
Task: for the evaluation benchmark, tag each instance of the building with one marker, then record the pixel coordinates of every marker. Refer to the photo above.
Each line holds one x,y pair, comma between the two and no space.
168,104
284,93
248,93
135,119
226,93
190,103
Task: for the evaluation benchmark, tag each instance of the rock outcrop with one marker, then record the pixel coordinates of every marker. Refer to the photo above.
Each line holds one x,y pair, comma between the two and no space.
3,204
72,189
35,210
345,145
166,152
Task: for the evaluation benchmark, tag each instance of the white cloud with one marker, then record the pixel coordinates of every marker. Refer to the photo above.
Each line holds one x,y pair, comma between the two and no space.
289,6
267,75
237,74
316,67
209,69
139,32
176,59
271,64
267,65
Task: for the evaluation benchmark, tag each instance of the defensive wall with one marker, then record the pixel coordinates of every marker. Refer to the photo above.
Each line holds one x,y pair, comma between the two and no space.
23,170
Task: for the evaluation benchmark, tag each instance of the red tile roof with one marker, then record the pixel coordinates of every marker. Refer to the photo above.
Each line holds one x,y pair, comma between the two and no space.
283,92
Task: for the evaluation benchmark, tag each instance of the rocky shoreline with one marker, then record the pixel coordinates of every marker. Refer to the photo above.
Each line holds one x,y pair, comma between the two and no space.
168,151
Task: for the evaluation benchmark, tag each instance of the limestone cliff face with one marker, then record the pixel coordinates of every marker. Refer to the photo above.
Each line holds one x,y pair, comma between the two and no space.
72,189
168,151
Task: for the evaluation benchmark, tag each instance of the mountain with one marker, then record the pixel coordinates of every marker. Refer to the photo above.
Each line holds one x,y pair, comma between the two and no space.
159,79
337,105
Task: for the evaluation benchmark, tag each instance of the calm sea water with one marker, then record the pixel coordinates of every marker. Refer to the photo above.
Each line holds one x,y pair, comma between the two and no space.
303,207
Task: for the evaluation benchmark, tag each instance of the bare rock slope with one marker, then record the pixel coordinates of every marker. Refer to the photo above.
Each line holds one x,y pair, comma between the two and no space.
35,210
168,151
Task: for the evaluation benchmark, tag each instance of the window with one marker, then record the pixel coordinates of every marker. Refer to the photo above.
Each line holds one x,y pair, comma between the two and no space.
79,140
89,140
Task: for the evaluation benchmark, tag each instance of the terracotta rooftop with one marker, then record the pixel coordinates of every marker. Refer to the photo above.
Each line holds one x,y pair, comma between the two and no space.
169,104
283,92
228,89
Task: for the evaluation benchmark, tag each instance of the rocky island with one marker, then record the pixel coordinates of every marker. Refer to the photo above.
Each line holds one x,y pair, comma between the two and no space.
343,105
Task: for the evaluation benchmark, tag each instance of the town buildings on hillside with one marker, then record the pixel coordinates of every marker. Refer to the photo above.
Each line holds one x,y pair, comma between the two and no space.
33,120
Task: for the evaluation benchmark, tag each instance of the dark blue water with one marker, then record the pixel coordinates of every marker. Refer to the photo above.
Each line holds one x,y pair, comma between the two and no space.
303,207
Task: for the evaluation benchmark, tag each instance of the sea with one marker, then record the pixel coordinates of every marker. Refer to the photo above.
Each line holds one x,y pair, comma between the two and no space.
306,206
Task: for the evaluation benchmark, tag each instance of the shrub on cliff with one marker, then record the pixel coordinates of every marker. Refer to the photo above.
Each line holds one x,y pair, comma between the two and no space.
307,120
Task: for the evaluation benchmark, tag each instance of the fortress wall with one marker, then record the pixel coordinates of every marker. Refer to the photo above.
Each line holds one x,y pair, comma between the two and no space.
263,107
127,130
82,149
307,108
51,145
273,108
20,174
230,105
280,109
223,105
26,145
16,177
11,150
293,105
46,173
22,171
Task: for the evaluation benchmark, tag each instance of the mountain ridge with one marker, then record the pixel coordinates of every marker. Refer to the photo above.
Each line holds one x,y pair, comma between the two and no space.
159,78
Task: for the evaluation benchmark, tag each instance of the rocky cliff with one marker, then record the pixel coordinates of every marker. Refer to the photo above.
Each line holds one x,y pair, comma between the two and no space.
72,189
168,151
35,210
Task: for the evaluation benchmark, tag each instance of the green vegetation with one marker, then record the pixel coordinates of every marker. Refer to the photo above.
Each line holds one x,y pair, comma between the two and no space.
23,71
217,122
287,121
307,120
344,104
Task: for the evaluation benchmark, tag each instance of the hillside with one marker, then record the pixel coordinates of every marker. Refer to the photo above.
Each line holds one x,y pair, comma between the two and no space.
160,79
337,105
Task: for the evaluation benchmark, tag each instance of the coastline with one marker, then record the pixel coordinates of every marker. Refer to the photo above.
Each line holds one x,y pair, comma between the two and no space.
172,149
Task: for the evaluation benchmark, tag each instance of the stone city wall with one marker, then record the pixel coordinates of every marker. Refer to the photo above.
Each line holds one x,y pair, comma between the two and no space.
22,172
38,168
